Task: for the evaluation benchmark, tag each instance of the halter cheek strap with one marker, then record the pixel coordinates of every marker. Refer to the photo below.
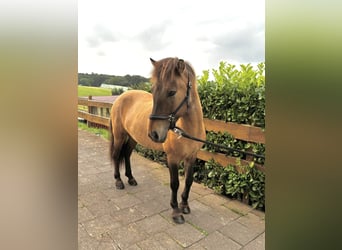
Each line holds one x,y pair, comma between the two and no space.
172,117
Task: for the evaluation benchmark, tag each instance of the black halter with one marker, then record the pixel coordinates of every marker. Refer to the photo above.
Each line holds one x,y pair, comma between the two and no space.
172,117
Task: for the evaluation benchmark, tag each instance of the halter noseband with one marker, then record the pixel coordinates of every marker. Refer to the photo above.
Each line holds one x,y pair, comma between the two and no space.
172,117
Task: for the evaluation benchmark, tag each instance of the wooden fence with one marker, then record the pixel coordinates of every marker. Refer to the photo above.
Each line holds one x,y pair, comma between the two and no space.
98,114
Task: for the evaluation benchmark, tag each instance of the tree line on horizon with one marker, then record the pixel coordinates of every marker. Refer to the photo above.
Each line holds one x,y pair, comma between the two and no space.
95,80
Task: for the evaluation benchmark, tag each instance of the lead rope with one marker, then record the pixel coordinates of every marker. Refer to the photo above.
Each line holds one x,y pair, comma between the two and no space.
182,133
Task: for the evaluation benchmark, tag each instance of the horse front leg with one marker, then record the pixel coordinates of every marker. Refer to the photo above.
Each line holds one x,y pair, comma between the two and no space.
174,184
189,177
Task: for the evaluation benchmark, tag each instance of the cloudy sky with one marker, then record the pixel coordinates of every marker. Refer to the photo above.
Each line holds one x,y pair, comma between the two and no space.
119,36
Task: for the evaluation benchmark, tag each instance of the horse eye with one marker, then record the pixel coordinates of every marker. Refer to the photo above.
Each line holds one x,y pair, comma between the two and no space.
171,93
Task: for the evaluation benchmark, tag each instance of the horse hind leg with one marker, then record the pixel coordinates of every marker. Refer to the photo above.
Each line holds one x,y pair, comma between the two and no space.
128,148
117,156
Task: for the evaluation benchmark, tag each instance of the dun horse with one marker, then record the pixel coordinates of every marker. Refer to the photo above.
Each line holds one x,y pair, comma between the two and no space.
139,117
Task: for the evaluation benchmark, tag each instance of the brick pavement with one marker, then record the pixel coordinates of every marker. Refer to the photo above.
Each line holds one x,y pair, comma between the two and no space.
139,217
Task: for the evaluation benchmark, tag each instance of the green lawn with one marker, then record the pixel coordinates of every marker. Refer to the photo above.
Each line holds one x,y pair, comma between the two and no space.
93,91
97,131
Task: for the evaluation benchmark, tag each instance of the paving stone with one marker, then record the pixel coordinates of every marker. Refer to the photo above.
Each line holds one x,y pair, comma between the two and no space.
254,222
210,219
79,204
152,193
106,243
133,247
106,169
82,233
217,241
258,213
214,200
127,236
161,174
90,170
239,232
106,184
193,196
84,214
238,207
93,198
201,189
145,183
88,179
185,234
224,214
99,209
113,193
86,188
153,207
217,207
196,246
127,215
256,244
85,242
126,201
159,241
153,224
99,226
139,217
199,207
203,222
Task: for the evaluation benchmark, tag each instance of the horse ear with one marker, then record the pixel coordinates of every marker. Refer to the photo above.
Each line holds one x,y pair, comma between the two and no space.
180,66
153,62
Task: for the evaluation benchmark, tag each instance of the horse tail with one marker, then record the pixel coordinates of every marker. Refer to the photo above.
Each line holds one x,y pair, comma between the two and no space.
118,156
111,140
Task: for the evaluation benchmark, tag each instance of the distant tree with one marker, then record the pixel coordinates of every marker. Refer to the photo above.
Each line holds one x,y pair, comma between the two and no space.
85,82
117,91
146,86
96,80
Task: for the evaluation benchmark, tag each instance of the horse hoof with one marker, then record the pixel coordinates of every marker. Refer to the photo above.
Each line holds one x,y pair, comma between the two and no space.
179,219
186,210
119,185
132,182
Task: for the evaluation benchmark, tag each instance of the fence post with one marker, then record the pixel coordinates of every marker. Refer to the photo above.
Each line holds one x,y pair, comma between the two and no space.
89,111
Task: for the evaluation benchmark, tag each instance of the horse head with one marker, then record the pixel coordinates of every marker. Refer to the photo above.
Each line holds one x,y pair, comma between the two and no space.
171,84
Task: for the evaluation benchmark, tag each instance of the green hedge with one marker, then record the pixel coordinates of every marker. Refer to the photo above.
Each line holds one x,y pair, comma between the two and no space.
248,185
228,140
234,95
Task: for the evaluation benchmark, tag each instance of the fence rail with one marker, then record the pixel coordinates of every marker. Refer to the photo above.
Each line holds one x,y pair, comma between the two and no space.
239,131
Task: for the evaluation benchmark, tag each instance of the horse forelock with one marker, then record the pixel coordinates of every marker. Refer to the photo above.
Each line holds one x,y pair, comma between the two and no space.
166,70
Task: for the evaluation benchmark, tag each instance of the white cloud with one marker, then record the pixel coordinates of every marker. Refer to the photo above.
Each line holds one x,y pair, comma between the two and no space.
118,37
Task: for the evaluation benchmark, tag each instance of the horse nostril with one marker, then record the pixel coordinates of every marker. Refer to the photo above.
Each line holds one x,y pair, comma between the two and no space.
154,136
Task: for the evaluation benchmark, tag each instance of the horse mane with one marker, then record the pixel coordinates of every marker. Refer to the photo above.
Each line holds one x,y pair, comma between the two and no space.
167,68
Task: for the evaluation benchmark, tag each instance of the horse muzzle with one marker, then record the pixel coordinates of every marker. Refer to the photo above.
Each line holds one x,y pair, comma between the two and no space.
158,130
157,137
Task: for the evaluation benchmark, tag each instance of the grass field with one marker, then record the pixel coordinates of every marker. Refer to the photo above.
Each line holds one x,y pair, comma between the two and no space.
97,131
93,91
